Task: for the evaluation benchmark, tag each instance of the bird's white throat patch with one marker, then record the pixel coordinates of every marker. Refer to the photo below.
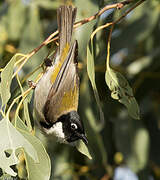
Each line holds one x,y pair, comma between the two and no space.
57,131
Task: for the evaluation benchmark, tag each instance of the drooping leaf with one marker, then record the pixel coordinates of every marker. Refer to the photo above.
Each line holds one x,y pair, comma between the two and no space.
42,169
6,78
83,33
138,159
20,124
13,140
16,19
119,86
5,176
26,115
3,39
31,38
96,144
82,148
121,91
91,74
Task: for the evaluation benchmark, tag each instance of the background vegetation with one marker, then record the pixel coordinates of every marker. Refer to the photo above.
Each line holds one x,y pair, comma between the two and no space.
123,144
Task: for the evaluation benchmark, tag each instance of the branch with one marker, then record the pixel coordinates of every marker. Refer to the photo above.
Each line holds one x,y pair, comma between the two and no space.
119,5
116,21
52,37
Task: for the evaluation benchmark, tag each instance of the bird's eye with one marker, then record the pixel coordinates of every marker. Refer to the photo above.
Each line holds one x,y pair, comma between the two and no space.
74,126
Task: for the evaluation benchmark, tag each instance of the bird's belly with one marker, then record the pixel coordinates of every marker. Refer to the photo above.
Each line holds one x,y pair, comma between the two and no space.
41,93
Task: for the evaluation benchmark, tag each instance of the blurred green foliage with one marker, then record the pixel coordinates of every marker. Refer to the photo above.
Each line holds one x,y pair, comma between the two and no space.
135,52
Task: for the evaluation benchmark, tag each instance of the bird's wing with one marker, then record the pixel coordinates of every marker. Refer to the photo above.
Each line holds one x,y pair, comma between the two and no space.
64,93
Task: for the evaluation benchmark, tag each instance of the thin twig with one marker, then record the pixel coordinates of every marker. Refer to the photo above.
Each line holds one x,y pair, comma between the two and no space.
34,51
128,11
119,5
108,47
52,37
18,97
106,8
116,21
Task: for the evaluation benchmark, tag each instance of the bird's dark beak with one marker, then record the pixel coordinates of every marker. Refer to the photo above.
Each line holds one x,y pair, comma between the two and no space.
83,137
76,136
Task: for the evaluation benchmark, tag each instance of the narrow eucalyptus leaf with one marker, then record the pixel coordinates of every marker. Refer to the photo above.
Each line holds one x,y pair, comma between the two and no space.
82,148
20,124
91,74
26,115
6,78
36,171
16,19
13,140
121,91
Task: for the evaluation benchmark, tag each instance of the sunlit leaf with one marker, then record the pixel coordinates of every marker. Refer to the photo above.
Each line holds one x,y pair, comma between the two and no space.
26,115
6,78
82,148
91,74
12,140
138,65
20,124
5,176
21,166
42,169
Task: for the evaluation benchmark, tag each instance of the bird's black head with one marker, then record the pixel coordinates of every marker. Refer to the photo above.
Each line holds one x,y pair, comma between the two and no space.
72,127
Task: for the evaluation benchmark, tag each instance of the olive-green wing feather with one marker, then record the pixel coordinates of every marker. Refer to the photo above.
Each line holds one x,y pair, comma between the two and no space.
64,93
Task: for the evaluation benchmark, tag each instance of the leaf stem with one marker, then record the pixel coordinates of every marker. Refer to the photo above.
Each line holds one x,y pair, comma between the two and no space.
108,47
14,101
119,5
2,113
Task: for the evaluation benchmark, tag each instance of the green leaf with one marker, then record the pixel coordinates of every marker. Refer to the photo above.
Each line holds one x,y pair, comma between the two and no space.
31,38
121,91
138,65
12,140
3,39
42,169
16,19
96,144
6,177
83,33
138,159
26,115
6,78
20,124
91,74
82,148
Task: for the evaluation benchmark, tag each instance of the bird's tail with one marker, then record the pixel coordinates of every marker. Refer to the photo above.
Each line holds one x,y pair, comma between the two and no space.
65,18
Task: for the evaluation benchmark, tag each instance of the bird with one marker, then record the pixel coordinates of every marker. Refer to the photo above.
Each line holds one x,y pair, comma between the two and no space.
56,94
